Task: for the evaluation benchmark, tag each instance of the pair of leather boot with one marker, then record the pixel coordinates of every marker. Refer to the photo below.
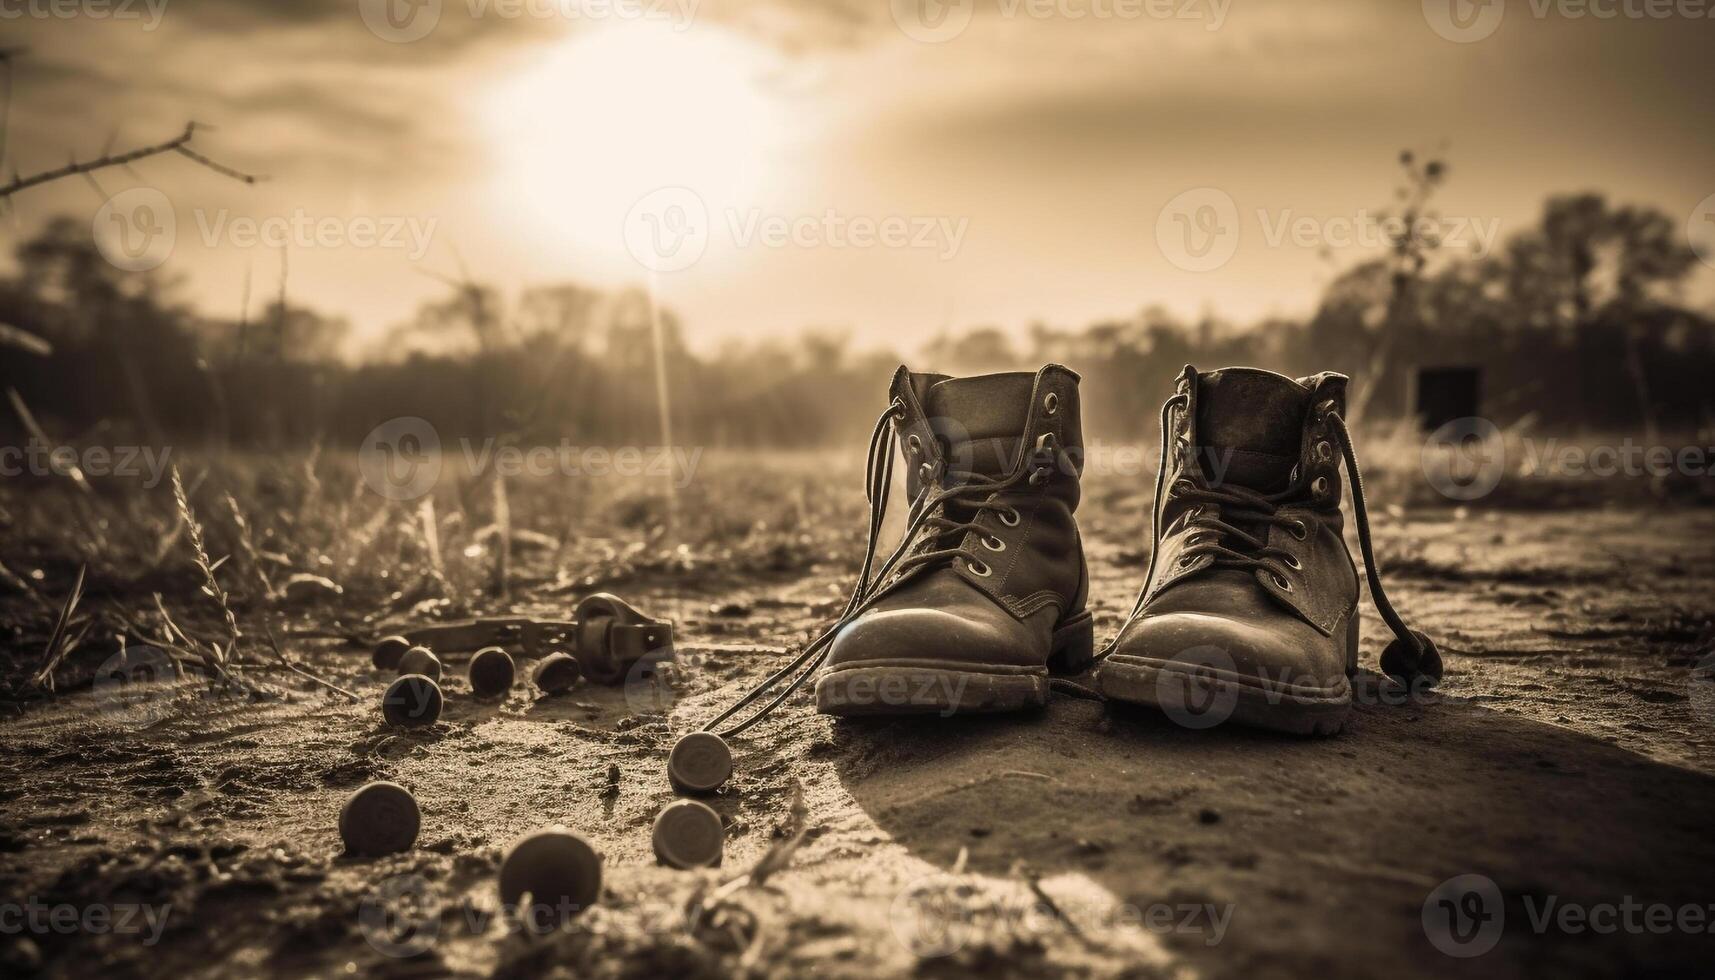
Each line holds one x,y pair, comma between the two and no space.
1249,607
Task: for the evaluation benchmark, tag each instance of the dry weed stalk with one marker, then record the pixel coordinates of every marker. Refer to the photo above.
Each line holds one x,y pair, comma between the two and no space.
211,585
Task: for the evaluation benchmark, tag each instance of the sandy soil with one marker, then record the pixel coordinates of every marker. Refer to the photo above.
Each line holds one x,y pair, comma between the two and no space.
1569,756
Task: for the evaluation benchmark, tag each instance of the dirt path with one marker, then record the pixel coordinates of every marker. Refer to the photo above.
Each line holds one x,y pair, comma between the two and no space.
1568,758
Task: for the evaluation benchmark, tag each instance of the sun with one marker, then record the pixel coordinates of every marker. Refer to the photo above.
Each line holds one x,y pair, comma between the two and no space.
620,110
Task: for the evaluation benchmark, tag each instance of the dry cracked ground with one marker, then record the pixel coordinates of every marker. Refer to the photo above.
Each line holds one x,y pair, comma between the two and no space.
1568,760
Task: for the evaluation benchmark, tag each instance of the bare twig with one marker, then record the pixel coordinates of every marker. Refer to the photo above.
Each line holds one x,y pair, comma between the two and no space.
179,144
301,672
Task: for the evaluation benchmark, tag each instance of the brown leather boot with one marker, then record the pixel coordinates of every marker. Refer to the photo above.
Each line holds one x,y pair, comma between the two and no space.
1249,610
986,593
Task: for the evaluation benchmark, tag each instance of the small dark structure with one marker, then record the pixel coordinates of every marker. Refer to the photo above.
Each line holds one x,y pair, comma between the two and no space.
1442,394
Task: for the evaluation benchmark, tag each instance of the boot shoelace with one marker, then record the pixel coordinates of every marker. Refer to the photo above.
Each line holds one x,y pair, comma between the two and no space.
973,495
1214,531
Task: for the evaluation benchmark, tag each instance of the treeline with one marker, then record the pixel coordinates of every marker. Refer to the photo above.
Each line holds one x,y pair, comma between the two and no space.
1576,324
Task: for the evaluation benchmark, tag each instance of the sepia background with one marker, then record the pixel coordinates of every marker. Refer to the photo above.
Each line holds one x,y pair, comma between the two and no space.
327,319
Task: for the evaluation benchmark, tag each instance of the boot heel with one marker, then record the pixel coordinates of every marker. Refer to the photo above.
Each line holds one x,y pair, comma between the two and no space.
1074,645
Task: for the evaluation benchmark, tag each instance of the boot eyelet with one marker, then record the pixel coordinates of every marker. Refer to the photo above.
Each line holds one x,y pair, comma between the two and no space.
979,569
1282,582
1319,486
1324,452
1185,561
1299,530
1293,563
913,445
1040,476
993,543
1010,517
1051,403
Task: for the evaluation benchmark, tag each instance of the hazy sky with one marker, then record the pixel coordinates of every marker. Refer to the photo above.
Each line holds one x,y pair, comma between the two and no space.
890,169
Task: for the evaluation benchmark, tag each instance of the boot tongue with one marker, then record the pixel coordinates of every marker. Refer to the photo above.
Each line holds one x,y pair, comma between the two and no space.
1250,427
980,420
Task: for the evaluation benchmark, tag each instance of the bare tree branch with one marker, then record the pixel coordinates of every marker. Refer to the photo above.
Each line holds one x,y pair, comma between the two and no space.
179,144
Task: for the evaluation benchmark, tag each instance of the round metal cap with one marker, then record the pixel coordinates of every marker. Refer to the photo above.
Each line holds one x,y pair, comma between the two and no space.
557,672
380,818
420,660
699,763
491,672
549,876
388,650
412,701
688,834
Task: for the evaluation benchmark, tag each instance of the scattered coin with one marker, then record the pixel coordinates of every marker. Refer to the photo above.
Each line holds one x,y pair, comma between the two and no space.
491,672
380,818
420,660
688,834
412,701
699,763
557,869
557,672
388,651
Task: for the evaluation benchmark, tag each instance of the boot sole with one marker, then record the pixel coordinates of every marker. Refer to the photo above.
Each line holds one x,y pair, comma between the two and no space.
922,686
1207,697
